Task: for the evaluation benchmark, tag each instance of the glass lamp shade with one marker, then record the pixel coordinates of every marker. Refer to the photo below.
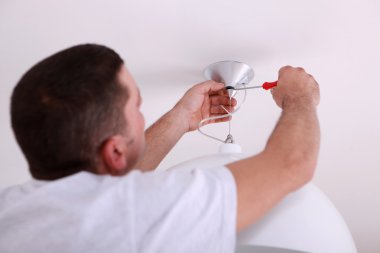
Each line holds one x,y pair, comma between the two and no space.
305,220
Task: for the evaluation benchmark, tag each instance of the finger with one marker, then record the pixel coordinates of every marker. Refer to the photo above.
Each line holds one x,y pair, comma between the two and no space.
222,92
284,69
233,102
273,91
222,100
221,114
219,109
226,119
208,86
216,87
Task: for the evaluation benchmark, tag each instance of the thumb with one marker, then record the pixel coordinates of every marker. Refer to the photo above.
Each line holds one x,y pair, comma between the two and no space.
209,86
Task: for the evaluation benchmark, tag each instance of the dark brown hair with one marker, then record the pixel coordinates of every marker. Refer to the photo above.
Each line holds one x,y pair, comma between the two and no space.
65,107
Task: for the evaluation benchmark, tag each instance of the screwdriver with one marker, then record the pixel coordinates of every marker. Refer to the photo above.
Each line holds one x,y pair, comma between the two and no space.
265,86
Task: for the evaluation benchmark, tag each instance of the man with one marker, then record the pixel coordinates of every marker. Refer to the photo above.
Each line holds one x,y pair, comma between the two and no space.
76,118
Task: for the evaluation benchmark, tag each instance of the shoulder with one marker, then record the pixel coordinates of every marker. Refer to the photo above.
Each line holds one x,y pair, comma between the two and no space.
195,205
182,189
179,178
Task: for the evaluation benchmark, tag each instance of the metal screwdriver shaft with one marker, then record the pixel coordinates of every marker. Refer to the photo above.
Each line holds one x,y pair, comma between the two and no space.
265,86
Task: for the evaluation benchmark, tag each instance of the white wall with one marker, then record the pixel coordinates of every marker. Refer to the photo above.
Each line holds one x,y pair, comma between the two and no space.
166,45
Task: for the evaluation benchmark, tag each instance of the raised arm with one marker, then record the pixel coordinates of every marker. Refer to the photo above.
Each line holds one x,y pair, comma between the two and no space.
201,101
290,156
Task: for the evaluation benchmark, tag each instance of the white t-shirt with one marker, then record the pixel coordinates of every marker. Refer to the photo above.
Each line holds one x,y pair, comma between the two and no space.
175,211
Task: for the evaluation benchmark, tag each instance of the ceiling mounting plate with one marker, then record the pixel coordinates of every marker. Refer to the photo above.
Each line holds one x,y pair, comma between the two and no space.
230,73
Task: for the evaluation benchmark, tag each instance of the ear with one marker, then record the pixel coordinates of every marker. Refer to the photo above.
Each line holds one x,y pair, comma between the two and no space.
114,155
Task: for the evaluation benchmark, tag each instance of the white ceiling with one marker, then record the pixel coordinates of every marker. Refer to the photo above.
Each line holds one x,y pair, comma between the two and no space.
170,41
167,43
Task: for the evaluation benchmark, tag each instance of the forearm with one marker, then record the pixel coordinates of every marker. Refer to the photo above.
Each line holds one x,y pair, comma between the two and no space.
161,138
290,156
286,163
294,143
197,103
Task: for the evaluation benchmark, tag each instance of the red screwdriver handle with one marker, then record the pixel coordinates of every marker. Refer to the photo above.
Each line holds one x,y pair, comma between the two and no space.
269,85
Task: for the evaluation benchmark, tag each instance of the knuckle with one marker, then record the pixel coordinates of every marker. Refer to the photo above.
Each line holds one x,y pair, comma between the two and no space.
199,85
287,67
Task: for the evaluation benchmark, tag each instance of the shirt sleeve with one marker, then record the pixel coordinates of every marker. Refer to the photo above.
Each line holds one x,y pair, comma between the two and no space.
185,211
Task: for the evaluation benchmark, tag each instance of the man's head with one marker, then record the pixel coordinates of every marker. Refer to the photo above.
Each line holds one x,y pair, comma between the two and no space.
78,110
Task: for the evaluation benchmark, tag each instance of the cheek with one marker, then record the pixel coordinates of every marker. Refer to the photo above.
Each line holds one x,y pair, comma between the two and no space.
142,134
142,121
140,125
